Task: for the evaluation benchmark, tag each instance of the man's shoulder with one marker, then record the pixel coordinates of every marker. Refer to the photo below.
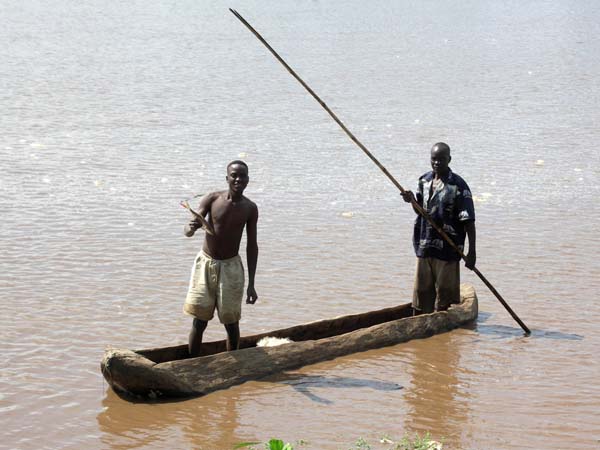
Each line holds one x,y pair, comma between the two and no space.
207,200
216,194
250,203
455,178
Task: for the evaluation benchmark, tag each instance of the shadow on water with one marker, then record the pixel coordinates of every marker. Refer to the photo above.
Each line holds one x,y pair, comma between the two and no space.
503,331
483,317
303,384
211,418
300,383
130,398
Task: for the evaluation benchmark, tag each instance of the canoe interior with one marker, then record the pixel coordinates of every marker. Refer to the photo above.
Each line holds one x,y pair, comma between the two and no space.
310,331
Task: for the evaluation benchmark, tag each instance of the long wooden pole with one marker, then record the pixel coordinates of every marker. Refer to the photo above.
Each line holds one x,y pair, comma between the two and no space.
415,205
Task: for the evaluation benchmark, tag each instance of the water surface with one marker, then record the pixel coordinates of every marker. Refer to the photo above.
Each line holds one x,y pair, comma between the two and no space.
112,113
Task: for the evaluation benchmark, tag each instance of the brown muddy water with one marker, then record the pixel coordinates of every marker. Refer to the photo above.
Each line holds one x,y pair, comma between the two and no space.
113,112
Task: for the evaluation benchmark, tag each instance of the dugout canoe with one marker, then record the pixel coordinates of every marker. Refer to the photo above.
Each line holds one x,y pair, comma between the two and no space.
170,372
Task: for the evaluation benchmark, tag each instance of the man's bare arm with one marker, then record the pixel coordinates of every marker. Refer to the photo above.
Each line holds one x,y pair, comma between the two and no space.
251,254
203,209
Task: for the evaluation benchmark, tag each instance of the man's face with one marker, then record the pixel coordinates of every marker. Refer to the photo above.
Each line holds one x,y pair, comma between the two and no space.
237,178
440,158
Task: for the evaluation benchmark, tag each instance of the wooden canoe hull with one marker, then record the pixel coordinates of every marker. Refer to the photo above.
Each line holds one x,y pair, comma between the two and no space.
169,372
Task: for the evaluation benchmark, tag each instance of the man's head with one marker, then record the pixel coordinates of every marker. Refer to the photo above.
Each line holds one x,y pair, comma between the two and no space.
237,176
440,158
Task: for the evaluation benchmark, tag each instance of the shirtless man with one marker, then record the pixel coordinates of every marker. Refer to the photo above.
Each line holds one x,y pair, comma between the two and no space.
217,280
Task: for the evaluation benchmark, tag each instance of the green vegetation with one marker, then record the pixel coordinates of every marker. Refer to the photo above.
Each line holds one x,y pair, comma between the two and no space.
361,444
418,443
273,444
406,443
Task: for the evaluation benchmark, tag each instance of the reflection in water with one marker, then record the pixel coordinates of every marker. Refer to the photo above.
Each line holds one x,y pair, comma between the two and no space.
438,403
203,422
303,383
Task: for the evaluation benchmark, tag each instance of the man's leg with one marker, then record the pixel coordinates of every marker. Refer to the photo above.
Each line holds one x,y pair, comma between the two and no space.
447,283
424,288
200,300
195,342
229,301
233,336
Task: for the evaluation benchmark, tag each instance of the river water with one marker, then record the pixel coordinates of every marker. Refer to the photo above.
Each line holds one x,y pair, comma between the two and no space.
112,112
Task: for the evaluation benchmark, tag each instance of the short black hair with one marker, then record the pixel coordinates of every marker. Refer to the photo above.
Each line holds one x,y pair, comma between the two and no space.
237,161
442,146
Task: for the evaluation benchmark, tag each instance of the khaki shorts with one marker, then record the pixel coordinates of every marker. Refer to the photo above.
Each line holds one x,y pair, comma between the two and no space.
216,284
437,284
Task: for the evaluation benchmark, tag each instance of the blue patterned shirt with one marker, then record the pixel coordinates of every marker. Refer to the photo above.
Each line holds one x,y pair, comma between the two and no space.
450,205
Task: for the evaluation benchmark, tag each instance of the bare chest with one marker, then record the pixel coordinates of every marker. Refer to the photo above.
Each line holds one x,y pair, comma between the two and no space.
229,215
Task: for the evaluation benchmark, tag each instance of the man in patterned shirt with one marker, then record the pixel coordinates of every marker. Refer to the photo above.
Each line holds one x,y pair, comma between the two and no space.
447,199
